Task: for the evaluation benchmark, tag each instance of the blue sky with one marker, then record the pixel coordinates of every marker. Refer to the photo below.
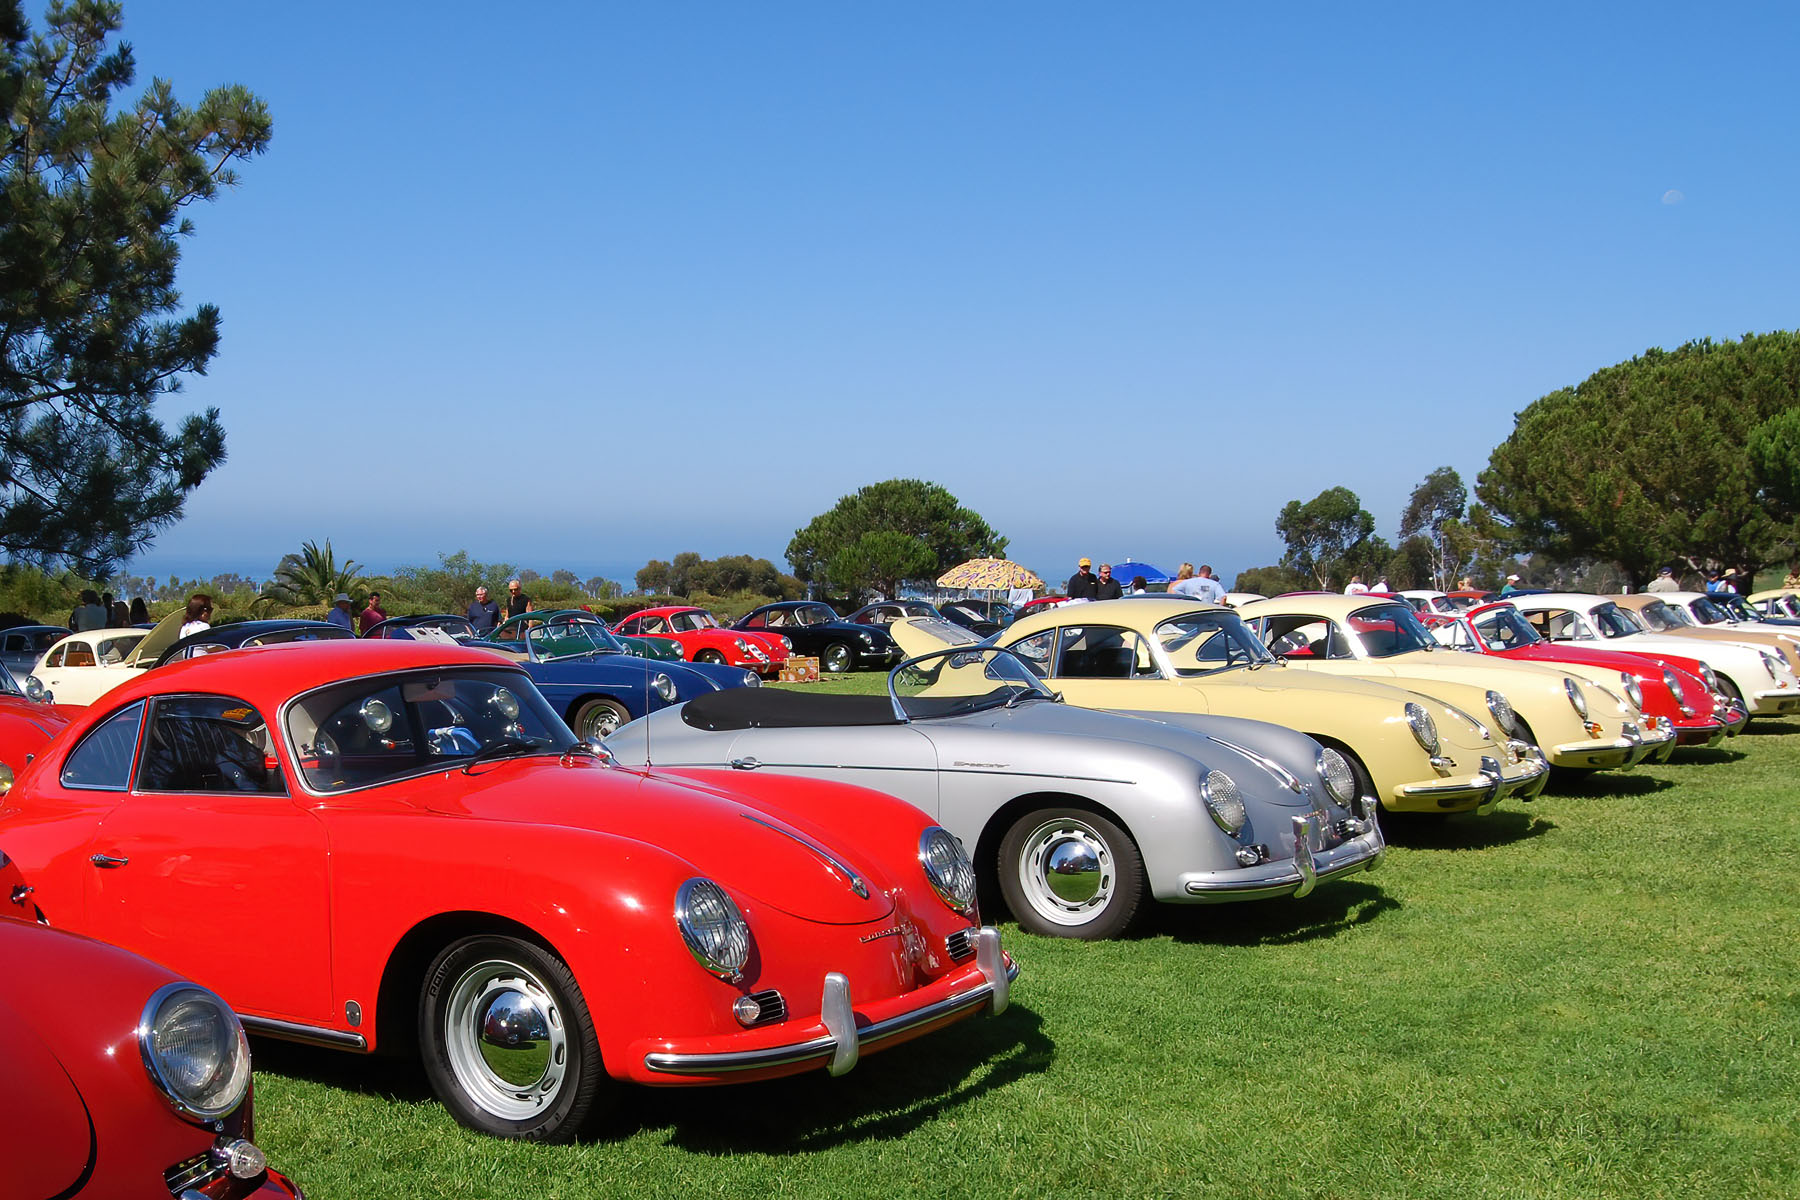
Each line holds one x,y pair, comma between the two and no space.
612,282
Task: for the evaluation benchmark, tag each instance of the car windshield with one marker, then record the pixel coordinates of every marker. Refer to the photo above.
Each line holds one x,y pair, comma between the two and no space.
813,614
571,639
117,649
1383,630
1664,617
1505,629
1200,643
1729,608
374,729
1784,606
688,622
951,683
8,685
456,627
1614,622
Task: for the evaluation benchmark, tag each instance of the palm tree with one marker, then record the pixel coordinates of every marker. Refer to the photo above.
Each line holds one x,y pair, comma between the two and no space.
312,577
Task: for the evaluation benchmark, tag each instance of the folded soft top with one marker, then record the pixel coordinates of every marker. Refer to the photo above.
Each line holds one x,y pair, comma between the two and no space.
777,708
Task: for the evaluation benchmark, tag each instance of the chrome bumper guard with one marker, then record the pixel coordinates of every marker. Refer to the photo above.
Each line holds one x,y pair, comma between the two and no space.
843,1042
1490,784
1361,848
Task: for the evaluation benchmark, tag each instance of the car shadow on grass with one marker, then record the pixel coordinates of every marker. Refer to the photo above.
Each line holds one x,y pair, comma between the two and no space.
1334,907
1465,831
1705,755
1595,785
1765,726
887,1096
379,1075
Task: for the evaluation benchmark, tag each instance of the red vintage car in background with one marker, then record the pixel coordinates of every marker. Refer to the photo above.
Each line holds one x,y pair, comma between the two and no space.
1668,686
703,639
399,845
123,1079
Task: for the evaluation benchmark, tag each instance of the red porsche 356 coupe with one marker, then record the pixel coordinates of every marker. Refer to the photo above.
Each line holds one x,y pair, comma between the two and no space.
400,845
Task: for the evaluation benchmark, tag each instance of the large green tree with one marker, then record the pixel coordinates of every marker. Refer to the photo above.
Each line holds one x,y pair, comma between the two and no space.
92,196
1670,456
313,576
1327,534
831,550
1435,535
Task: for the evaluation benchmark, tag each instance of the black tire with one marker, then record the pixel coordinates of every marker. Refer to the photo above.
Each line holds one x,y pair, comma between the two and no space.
709,656
1096,864
493,1004
838,658
1730,691
598,718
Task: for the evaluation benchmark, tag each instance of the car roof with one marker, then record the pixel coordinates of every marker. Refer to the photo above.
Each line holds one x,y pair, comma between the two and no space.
268,676
1581,600
1136,610
663,611
1325,604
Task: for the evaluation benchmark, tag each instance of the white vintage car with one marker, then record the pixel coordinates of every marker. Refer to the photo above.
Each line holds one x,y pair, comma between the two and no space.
1753,675
85,666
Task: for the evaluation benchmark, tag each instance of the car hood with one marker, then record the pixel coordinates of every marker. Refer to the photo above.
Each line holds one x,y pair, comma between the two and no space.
52,1152
750,851
166,634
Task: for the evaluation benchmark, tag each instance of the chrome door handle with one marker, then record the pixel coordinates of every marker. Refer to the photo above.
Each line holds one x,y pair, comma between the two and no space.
107,860
745,764
21,891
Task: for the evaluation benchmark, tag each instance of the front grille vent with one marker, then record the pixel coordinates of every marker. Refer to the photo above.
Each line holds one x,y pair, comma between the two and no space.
195,1172
774,1008
960,944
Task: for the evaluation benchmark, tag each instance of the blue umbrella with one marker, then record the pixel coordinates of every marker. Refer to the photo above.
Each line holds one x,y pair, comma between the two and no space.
1125,572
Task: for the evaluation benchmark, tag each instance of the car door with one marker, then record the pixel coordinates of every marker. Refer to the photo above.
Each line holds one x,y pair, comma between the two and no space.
208,865
896,759
52,672
1104,666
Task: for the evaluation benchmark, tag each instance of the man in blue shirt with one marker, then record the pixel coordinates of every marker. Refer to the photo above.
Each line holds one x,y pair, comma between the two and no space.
484,614
339,613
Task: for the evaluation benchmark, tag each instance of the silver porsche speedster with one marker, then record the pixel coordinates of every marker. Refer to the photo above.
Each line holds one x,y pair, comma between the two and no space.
1077,815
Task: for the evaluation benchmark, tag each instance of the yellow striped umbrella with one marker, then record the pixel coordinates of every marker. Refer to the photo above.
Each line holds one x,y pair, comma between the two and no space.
989,573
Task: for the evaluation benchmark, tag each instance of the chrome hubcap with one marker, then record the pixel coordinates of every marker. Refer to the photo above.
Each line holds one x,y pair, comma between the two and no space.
506,1041
1067,871
837,660
601,722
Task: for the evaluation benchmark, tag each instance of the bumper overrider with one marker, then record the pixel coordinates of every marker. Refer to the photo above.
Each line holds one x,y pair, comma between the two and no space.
842,1032
879,656
1523,779
1360,849
1633,745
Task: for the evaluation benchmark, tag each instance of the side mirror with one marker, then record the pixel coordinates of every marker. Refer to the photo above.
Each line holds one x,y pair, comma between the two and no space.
598,749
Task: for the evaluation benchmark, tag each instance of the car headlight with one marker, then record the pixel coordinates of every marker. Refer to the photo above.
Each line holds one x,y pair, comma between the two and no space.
1712,680
742,645
712,927
195,1051
787,643
1220,791
665,687
35,689
1424,729
1771,664
1673,683
948,867
1576,697
868,639
1634,691
1339,779
752,679
1502,709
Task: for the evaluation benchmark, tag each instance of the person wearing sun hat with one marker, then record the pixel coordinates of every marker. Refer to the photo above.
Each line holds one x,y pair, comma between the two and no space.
1082,584
1512,585
1664,581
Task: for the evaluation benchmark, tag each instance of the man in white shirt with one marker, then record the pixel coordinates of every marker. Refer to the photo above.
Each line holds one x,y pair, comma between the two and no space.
1207,588
1357,586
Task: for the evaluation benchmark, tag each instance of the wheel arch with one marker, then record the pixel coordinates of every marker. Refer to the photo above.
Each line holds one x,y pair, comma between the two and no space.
396,1004
986,853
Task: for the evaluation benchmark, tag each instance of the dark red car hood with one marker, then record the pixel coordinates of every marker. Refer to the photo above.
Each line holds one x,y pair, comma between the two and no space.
47,1142
748,850
1615,660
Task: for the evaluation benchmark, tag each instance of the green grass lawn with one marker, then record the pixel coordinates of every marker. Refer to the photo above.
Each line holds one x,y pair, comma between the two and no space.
1592,995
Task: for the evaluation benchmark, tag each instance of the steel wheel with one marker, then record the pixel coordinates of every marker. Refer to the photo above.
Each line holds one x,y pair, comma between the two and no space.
507,1040
838,658
598,718
1070,873
709,656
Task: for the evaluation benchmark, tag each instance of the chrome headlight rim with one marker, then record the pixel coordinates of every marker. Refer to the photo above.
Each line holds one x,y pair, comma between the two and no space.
1710,676
1771,664
1634,691
1577,698
712,927
1673,683
1224,803
664,686
1424,729
948,869
1336,775
230,1077
1502,711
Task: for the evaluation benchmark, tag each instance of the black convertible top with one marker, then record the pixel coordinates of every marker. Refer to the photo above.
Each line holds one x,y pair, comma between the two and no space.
778,708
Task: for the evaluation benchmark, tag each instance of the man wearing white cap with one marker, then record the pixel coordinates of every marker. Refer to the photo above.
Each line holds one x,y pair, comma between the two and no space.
1512,585
339,613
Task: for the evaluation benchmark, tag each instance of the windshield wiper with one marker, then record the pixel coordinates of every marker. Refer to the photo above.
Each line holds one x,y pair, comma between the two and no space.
505,748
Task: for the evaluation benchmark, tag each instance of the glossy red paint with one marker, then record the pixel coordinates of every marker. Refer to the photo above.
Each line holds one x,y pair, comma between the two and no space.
26,725
321,910
89,1121
764,653
1698,715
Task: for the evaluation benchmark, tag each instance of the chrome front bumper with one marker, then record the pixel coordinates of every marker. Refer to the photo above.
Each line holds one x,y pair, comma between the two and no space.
1487,786
1775,702
1361,851
1631,747
843,1041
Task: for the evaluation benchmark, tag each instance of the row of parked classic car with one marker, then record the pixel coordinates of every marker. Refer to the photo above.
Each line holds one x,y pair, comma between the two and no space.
426,843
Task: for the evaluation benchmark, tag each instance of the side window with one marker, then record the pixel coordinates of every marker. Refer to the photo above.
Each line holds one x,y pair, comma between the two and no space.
56,657
78,654
1035,650
208,744
759,621
1300,637
1101,652
103,760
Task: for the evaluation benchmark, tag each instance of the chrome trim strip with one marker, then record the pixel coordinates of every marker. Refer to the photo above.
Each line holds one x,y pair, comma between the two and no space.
831,860
815,766
312,1035
1274,768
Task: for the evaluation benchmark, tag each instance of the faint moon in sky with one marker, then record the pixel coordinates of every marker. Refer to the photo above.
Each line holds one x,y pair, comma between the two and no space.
1673,197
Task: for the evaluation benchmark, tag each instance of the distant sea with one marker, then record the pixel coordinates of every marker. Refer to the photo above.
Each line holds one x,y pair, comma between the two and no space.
261,567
